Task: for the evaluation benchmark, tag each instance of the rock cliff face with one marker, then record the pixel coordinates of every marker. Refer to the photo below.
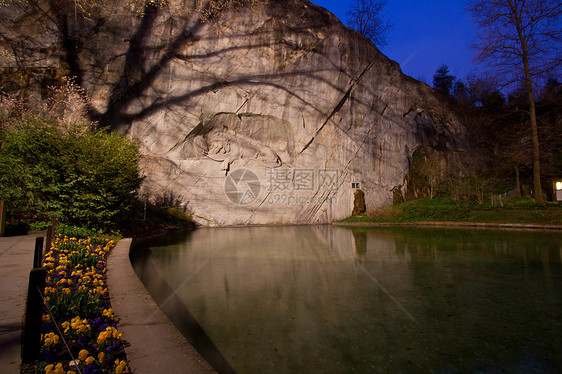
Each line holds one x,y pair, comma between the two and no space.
274,114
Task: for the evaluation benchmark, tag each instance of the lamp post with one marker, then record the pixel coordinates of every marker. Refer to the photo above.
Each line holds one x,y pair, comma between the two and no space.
558,190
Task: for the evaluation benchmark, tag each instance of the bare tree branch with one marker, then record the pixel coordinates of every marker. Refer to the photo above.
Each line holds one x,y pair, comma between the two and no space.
365,16
520,41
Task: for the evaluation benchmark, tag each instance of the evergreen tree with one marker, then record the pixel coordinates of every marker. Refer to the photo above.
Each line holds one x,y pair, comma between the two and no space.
443,80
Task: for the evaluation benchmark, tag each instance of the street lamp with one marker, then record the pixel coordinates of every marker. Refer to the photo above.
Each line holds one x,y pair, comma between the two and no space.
558,190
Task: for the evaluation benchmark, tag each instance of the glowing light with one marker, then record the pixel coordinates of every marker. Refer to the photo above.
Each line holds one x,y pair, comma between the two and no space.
558,186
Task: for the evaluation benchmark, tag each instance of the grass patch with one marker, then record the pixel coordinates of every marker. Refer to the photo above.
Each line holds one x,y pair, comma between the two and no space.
523,210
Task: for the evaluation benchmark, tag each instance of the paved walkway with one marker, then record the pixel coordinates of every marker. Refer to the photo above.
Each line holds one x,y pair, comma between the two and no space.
16,261
156,346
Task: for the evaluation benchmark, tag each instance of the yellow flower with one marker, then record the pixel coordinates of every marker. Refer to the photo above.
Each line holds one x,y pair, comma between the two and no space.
50,338
83,354
57,370
102,336
89,360
120,366
101,356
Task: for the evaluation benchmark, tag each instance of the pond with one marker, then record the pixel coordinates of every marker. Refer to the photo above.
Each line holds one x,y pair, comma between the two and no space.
325,299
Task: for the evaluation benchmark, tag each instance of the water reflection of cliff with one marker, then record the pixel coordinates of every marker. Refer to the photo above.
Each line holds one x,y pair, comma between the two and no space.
281,283
327,299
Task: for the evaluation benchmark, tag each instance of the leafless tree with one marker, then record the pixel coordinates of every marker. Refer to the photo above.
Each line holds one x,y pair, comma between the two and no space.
74,22
520,41
365,17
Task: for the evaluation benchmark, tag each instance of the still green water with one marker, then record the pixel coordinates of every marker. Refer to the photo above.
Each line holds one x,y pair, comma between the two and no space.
323,299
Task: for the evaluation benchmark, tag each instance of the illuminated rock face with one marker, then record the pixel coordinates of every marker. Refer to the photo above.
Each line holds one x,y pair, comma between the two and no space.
272,115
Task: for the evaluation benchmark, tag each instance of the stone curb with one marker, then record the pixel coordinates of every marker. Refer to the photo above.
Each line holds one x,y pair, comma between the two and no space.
155,345
453,224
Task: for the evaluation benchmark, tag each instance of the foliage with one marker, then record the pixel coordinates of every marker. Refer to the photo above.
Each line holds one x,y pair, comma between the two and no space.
178,215
427,210
464,188
365,17
358,203
39,225
443,80
427,171
79,176
96,236
384,213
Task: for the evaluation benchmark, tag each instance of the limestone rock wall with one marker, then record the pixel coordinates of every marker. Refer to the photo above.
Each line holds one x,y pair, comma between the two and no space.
273,114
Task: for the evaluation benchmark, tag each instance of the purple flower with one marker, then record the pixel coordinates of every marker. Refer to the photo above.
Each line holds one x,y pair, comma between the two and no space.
113,347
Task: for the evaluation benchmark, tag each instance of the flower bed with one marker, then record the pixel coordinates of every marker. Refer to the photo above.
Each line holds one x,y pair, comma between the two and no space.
79,328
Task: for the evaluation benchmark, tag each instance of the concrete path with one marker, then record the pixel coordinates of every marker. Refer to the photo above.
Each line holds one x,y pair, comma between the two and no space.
156,346
16,261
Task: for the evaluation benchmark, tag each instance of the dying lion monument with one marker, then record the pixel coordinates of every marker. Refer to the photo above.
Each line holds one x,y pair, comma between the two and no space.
273,113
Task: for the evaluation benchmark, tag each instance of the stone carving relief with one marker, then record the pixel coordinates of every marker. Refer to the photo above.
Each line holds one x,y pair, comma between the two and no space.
227,137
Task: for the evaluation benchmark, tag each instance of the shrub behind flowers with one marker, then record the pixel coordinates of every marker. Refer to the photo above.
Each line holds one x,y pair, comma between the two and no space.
66,171
77,310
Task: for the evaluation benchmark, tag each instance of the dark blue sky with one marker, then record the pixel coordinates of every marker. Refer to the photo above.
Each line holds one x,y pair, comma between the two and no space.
426,33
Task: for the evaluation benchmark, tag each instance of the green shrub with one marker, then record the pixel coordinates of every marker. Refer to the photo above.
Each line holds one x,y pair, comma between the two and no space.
437,209
74,231
81,177
358,203
39,225
96,237
179,215
385,213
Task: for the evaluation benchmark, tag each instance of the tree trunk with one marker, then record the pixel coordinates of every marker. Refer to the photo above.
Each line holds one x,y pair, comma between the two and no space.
536,152
532,113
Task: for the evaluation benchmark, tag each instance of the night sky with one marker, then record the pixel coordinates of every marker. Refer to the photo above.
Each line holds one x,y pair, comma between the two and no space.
425,35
